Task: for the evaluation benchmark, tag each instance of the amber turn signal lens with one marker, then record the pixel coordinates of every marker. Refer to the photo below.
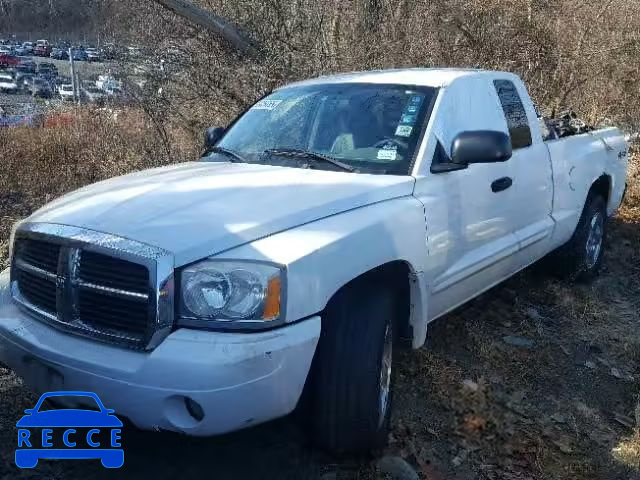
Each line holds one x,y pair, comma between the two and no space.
272,301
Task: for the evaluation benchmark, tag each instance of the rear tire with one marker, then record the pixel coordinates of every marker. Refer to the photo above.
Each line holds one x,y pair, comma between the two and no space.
352,383
580,259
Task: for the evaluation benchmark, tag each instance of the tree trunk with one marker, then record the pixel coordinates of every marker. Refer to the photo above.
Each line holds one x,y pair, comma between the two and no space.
212,22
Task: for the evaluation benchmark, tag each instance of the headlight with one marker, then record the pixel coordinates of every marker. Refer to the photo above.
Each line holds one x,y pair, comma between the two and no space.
217,294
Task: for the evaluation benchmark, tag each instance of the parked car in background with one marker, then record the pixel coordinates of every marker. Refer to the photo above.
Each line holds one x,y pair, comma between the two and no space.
109,51
93,55
48,66
8,61
5,50
79,55
62,80
42,48
107,82
66,92
8,83
93,94
47,70
40,51
59,54
41,88
28,66
23,79
113,90
20,51
28,47
102,79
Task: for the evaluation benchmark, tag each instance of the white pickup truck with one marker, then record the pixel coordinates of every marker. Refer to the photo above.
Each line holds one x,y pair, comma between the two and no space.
333,217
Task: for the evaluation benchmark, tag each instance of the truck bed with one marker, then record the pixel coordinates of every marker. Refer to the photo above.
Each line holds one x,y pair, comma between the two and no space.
577,161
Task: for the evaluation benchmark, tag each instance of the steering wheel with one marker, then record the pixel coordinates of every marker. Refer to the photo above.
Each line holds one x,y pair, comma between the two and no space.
387,140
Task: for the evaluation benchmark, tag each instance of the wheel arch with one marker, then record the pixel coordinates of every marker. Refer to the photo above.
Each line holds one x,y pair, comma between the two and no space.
603,186
411,315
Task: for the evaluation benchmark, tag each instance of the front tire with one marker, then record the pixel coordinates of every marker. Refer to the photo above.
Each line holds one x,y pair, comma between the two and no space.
353,372
581,258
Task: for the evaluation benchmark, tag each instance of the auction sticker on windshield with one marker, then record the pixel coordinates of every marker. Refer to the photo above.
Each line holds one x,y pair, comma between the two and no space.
266,104
404,130
388,152
69,433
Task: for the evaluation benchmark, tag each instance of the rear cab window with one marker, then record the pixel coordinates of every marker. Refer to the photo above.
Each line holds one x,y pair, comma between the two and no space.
515,114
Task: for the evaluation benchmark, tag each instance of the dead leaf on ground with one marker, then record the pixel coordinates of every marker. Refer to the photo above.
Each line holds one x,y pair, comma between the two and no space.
474,423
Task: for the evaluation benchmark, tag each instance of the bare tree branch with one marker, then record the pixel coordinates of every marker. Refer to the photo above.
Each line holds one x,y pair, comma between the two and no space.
212,22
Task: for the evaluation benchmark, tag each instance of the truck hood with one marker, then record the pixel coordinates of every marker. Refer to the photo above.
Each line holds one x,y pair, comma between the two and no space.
200,209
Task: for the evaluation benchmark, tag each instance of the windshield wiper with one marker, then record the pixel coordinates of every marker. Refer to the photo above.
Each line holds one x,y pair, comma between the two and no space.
296,152
236,157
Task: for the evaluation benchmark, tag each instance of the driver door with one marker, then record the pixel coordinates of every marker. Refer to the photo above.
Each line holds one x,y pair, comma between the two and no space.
469,237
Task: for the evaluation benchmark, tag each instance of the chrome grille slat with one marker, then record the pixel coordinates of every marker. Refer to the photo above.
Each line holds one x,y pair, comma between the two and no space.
27,267
95,302
39,291
94,284
108,272
40,254
113,292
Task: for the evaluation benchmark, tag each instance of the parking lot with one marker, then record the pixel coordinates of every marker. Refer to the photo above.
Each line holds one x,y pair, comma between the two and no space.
87,73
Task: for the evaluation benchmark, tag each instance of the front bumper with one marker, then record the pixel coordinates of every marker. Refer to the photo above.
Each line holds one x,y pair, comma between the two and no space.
238,380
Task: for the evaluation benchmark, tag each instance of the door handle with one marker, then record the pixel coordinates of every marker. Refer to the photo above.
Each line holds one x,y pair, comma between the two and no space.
501,184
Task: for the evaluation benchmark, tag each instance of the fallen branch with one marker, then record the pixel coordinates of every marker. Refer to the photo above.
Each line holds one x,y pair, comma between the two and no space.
230,33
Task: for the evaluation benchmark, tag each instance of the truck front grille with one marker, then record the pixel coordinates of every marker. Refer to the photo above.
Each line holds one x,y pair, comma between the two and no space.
113,272
40,254
89,292
38,291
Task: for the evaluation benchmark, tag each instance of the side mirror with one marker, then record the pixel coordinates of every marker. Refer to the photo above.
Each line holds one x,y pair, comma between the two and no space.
481,146
212,136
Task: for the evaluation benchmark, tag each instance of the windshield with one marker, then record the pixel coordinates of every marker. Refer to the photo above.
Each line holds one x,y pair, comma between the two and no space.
372,128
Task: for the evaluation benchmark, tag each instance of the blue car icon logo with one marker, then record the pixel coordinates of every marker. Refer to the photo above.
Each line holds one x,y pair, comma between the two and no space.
70,433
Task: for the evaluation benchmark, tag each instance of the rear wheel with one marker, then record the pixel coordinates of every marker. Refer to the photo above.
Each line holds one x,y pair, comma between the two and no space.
353,372
581,258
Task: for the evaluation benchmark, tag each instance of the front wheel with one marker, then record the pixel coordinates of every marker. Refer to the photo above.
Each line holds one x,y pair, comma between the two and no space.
353,372
581,258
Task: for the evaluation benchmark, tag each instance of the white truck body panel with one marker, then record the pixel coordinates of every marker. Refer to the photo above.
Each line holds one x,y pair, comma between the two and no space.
8,84
577,162
364,238
457,235
216,206
478,238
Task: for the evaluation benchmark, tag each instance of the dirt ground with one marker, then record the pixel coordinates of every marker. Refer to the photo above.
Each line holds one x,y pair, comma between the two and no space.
536,379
